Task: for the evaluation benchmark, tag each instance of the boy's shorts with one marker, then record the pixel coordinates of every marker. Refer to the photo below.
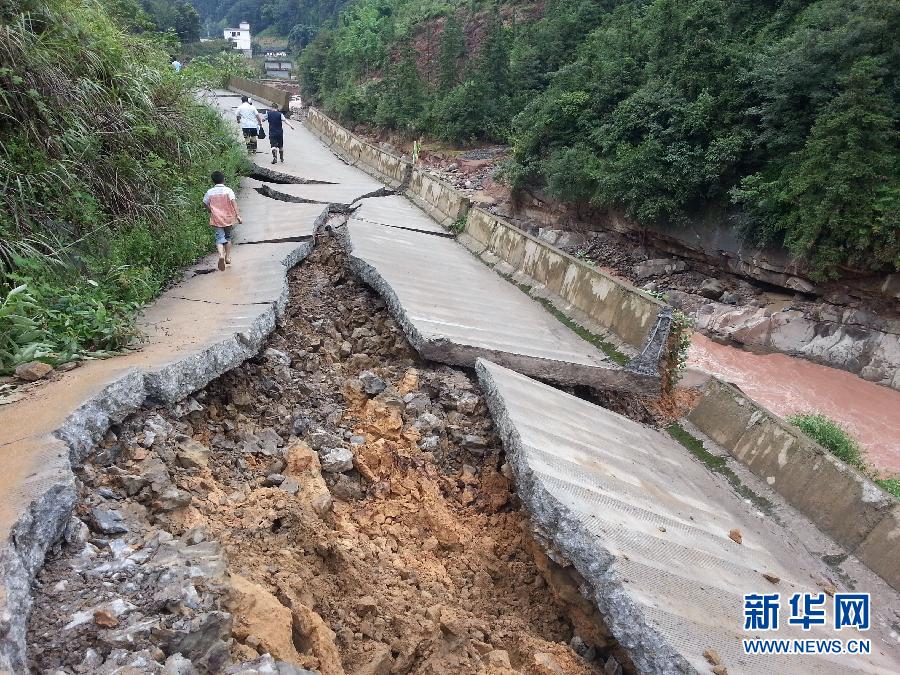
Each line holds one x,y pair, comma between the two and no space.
223,235
276,141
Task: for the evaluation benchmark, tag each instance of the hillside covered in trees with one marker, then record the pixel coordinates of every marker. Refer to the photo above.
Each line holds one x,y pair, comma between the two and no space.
782,114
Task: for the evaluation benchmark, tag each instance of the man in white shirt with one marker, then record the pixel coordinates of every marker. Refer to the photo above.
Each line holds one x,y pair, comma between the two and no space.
249,119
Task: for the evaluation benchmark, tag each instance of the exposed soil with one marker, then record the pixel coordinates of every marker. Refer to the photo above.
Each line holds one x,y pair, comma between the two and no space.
357,498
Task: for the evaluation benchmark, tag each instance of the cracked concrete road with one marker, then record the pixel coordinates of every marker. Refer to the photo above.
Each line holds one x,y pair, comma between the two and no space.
452,307
648,527
203,326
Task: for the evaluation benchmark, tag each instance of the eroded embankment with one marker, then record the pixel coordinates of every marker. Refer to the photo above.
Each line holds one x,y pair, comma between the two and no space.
334,502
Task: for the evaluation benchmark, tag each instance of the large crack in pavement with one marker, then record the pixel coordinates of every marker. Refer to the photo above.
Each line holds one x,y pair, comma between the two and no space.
267,175
336,503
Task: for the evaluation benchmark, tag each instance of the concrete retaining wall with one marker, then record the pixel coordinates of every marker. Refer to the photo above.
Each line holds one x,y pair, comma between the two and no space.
843,503
626,312
438,199
389,169
281,99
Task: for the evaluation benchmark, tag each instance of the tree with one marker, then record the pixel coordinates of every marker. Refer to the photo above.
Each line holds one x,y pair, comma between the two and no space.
300,36
402,100
452,50
493,62
187,23
837,200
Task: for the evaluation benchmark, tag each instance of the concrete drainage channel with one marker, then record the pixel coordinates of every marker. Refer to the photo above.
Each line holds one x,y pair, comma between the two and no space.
334,504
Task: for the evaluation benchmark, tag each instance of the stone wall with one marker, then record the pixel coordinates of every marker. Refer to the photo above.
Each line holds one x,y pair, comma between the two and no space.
281,99
842,502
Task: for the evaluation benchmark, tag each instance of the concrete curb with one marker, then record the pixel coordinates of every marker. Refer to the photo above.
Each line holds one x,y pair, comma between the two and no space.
840,500
565,532
53,491
391,170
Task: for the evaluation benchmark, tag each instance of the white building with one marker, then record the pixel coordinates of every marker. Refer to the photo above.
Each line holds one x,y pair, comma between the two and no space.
240,36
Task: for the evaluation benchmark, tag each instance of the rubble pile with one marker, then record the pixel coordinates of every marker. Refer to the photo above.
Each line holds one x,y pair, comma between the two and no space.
333,505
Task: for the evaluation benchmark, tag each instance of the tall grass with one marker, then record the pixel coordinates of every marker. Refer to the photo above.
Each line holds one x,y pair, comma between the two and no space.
838,441
104,156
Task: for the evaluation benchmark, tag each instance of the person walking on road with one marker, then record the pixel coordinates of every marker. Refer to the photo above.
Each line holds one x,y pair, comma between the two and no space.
223,215
276,133
249,119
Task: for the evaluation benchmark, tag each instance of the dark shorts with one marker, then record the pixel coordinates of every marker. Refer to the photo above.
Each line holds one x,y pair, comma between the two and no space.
276,140
249,133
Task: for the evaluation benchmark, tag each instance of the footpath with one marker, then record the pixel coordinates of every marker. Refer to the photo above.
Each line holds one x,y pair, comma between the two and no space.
664,548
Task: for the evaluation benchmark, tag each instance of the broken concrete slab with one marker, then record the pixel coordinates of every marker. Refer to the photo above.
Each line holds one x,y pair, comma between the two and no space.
196,331
271,220
339,193
647,527
453,310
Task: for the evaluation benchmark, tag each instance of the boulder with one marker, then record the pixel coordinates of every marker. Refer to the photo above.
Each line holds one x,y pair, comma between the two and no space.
372,384
658,267
106,520
192,455
336,460
33,371
257,612
712,289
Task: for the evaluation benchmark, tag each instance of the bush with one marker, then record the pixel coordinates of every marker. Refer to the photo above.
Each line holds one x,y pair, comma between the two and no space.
831,436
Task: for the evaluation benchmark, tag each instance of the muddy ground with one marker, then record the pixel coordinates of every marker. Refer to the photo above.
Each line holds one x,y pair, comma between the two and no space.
334,504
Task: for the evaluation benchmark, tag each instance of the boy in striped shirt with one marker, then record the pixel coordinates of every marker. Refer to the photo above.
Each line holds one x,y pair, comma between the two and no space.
223,215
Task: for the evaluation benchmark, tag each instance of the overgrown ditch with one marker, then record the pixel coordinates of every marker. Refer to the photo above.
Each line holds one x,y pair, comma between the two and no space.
334,504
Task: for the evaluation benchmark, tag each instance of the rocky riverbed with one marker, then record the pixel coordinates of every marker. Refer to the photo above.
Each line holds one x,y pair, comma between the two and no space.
333,505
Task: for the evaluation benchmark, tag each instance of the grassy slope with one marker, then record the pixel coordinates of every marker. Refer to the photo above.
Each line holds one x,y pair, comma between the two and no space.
105,155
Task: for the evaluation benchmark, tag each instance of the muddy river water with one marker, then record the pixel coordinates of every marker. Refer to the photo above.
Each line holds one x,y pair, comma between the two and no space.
787,385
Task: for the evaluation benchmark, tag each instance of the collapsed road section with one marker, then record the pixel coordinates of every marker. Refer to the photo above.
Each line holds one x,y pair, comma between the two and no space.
335,504
342,504
666,549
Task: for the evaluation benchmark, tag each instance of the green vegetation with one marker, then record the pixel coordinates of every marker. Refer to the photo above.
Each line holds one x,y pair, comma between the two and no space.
177,16
299,20
891,485
834,438
831,436
104,156
781,116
